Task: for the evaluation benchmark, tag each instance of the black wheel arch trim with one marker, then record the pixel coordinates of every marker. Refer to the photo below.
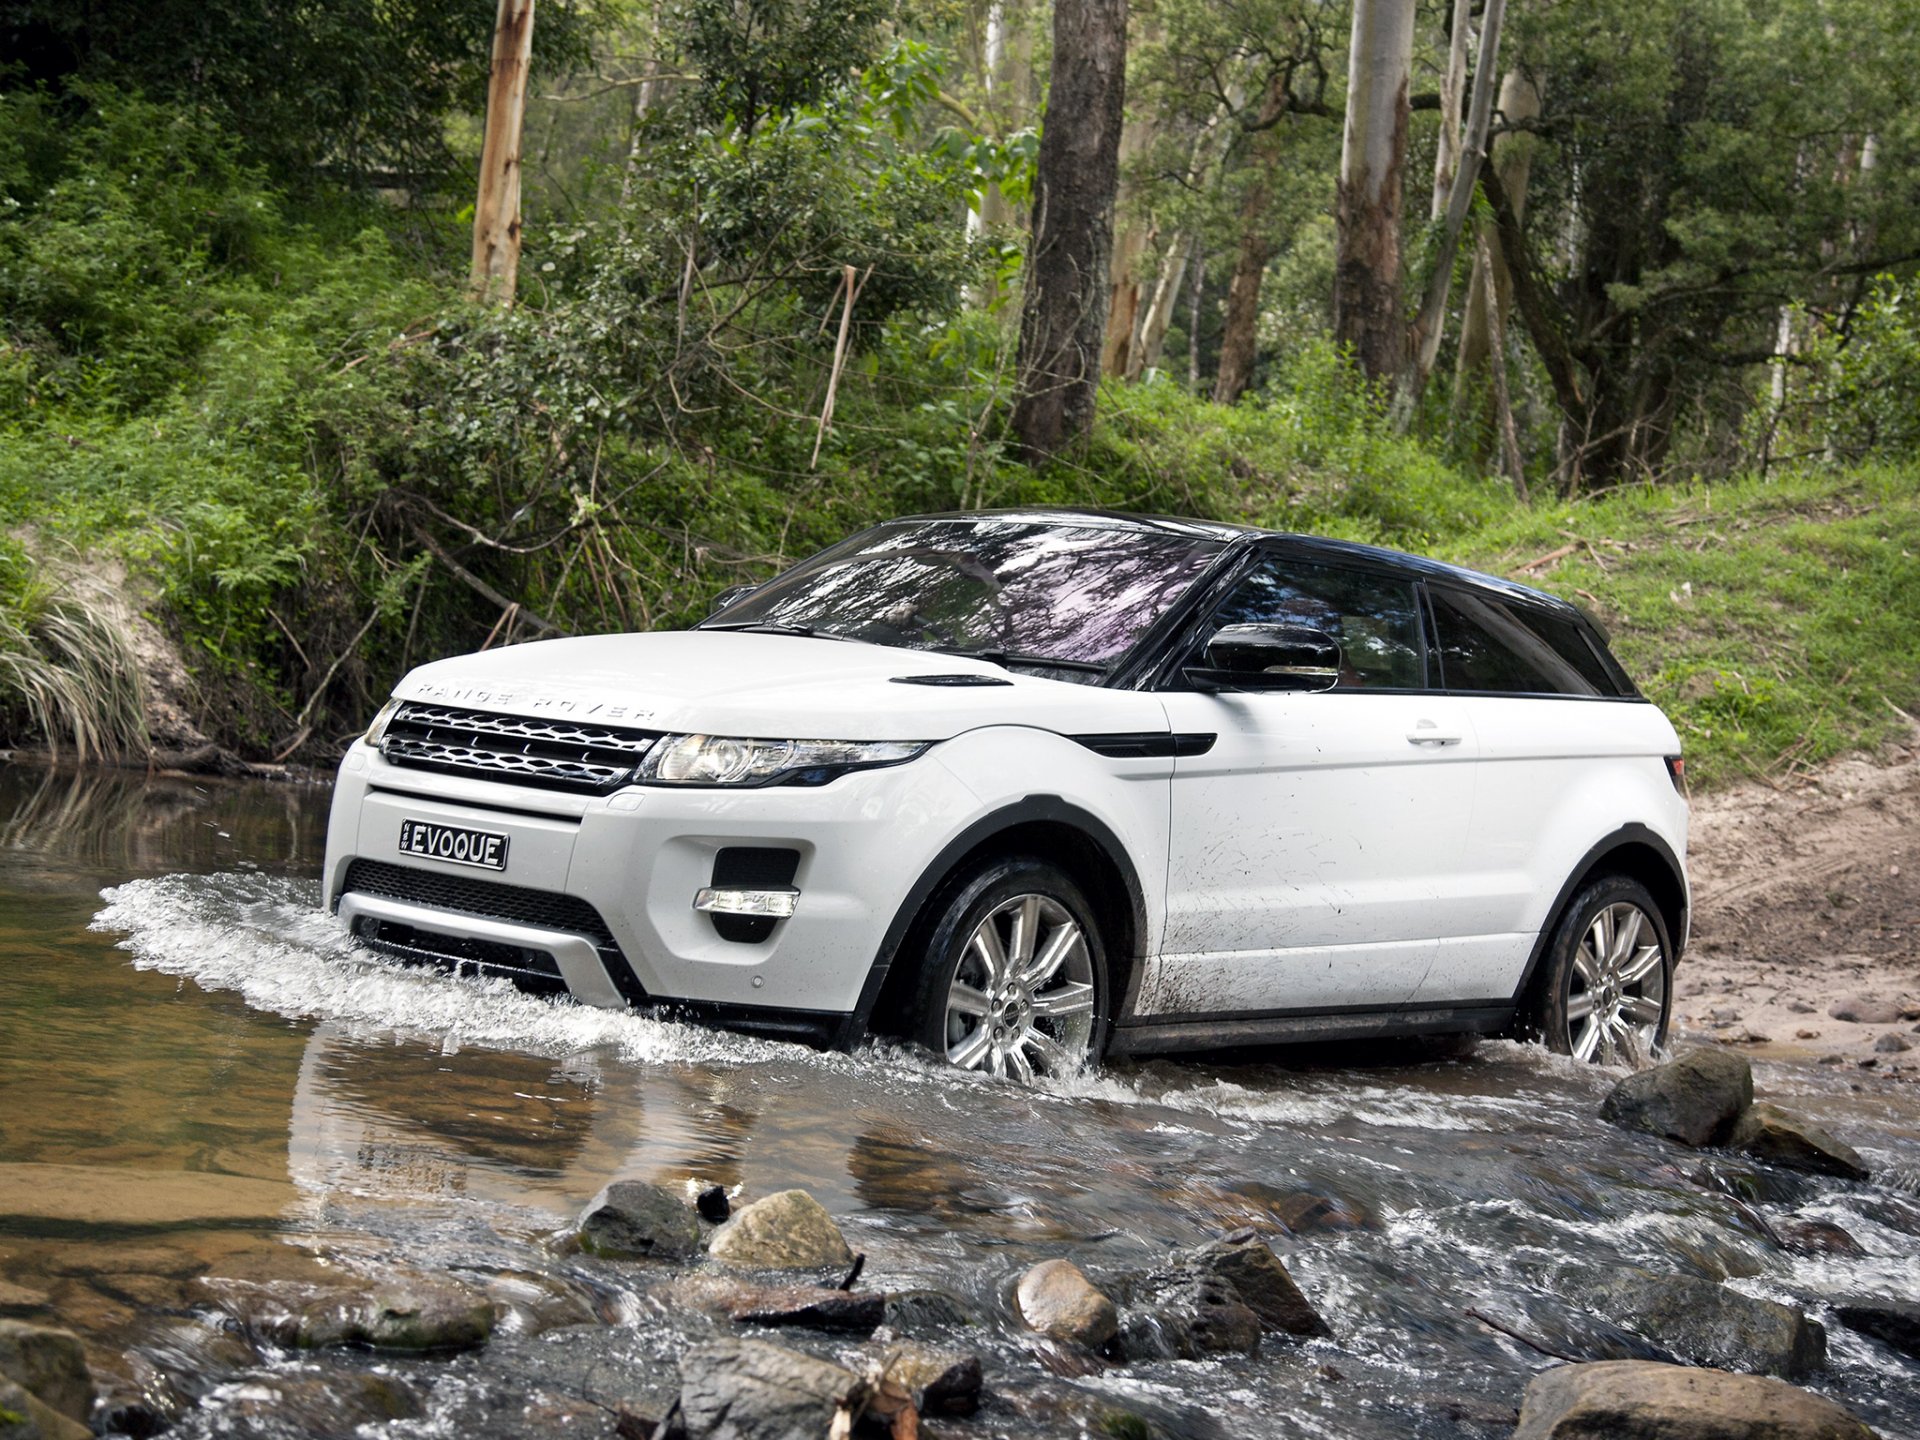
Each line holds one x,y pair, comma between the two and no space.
1050,809
1629,834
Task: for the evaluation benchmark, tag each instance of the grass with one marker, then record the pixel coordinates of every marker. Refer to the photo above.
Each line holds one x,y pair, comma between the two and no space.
1776,621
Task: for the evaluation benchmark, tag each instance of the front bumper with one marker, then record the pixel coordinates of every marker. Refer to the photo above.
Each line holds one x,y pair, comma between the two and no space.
599,892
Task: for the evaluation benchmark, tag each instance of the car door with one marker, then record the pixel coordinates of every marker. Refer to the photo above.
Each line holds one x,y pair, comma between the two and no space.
1556,765
1315,847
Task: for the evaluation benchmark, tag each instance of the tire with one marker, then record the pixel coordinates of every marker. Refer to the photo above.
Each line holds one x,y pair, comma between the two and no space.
1605,992
977,1006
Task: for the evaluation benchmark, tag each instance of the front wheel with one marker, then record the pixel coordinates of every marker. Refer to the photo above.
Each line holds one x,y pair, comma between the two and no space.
1014,977
1606,990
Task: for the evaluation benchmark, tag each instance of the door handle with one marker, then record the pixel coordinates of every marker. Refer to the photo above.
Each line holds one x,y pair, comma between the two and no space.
1427,733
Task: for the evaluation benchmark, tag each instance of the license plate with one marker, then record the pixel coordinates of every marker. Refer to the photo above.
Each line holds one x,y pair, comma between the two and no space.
454,843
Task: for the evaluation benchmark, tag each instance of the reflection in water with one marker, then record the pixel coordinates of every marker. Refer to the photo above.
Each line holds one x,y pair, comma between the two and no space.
316,1113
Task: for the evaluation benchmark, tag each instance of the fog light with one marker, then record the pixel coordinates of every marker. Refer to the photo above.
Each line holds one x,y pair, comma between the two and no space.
770,904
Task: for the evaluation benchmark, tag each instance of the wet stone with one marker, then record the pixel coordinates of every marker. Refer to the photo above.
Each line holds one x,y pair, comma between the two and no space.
1895,1323
24,1417
1056,1299
1186,1316
1865,1010
19,1300
333,1404
935,1380
1892,1043
1638,1400
1778,1137
50,1363
1263,1284
1708,1324
1693,1100
1817,1237
787,1231
633,1220
751,1390
410,1315
811,1307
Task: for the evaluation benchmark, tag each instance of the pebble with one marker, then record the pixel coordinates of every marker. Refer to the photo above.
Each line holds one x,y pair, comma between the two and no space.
1892,1043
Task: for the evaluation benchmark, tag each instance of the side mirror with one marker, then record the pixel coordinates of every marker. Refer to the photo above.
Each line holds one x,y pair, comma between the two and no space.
1267,657
727,596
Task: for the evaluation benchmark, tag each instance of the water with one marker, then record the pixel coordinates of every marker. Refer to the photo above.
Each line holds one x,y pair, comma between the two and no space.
206,1094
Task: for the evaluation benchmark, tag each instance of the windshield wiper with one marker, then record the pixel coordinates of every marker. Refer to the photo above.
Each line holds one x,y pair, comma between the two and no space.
769,627
1007,658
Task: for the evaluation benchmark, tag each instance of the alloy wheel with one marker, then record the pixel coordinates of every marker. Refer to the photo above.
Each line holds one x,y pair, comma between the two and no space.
1021,1000
1617,993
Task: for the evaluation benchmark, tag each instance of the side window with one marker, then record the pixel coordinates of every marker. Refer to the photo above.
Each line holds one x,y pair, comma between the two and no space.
1485,645
1375,618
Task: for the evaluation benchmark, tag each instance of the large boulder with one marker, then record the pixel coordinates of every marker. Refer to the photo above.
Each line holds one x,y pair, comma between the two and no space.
50,1363
1709,1324
1894,1322
1694,1099
1642,1400
1056,1298
750,1390
633,1220
1263,1282
1778,1137
787,1231
25,1417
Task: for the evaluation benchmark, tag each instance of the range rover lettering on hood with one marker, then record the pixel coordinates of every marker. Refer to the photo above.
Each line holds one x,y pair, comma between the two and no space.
528,702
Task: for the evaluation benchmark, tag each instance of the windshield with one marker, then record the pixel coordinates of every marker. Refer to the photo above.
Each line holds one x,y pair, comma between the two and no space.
1013,589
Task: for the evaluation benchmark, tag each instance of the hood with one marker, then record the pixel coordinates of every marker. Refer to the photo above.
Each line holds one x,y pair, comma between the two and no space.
719,682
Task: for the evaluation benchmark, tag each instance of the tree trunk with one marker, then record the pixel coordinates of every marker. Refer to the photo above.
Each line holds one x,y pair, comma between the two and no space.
1490,291
1133,235
1453,89
1373,152
1063,316
496,210
1166,291
1239,340
1432,319
1195,315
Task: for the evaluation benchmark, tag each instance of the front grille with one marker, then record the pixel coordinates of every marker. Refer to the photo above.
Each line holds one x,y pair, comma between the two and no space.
550,754
517,904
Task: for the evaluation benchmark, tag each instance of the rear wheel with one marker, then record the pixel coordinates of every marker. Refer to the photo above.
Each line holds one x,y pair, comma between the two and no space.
1606,990
1013,981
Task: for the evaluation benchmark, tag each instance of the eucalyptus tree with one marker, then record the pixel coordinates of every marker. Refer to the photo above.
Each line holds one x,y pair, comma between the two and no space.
1368,312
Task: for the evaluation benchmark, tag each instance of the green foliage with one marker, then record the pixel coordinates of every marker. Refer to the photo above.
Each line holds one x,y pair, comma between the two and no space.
760,58
353,89
1864,398
66,669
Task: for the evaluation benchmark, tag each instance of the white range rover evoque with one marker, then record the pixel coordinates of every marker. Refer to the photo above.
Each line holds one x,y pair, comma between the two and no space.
1032,787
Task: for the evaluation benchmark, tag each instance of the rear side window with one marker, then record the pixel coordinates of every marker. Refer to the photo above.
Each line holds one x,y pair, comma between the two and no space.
1487,645
1374,618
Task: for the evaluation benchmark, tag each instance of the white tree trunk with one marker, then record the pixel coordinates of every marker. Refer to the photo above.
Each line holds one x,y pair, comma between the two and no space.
496,210
1453,89
1373,151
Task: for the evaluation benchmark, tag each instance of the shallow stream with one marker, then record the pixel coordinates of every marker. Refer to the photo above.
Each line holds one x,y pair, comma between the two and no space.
205,1091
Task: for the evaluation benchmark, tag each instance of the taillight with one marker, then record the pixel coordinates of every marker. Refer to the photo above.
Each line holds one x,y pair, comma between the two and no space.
1677,772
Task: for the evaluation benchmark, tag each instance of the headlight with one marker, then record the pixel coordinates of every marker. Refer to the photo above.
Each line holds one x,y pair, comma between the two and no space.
723,760
379,725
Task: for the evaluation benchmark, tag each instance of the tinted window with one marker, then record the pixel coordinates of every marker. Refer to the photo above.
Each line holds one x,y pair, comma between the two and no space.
1375,619
1569,641
1485,645
1078,594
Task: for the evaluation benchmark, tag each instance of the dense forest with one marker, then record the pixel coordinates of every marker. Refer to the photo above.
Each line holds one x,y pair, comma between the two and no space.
338,336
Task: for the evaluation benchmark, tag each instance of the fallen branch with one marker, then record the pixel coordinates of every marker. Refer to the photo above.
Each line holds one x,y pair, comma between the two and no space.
839,359
1540,561
480,587
302,723
1512,1334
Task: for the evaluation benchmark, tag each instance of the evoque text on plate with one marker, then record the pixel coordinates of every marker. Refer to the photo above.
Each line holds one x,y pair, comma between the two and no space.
1033,787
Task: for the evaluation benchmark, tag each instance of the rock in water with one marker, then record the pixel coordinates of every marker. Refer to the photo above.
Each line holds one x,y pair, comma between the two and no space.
1817,1237
1896,1322
1057,1299
938,1381
24,1417
1769,1133
1694,1100
1709,1324
1642,1400
787,1231
750,1390
812,1308
1264,1285
50,1364
1187,1315
409,1313
633,1220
